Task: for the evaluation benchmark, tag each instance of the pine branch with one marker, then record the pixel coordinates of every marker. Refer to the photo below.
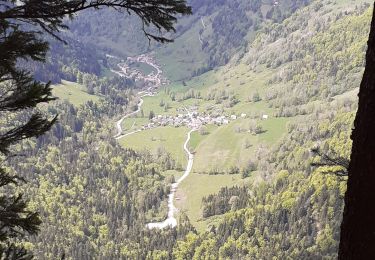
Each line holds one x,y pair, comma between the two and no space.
15,219
25,93
16,44
14,252
36,126
49,14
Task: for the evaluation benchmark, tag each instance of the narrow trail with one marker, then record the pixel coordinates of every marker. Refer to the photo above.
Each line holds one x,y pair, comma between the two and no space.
171,220
200,39
204,26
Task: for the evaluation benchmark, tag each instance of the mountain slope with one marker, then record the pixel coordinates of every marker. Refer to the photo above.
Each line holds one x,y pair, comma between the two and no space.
207,39
297,212
289,80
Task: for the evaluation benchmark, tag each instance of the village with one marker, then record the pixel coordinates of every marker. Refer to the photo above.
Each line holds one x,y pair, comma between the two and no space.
153,80
185,117
192,120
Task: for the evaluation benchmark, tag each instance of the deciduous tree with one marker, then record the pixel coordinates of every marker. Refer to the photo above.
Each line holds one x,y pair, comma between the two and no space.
21,25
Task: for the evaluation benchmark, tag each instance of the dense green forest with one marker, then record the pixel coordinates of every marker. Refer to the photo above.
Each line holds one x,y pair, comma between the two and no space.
95,197
90,192
65,60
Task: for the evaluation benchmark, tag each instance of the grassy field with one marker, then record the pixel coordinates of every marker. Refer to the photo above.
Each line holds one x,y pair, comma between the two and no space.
179,60
133,123
169,138
174,173
224,146
73,92
275,128
197,186
197,138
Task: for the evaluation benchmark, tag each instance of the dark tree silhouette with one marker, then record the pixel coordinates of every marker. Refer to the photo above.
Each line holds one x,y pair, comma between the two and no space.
21,24
49,14
358,225
328,160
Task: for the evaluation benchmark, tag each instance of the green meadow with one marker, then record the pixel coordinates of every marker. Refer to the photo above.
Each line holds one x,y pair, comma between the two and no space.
169,138
189,195
73,92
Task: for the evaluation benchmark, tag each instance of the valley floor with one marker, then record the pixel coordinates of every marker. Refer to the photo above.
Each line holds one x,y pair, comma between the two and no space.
226,140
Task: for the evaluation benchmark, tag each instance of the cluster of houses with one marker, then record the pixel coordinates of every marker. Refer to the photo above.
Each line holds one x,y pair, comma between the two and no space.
154,78
191,120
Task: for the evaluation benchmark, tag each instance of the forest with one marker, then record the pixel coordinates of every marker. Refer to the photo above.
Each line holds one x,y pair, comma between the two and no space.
305,61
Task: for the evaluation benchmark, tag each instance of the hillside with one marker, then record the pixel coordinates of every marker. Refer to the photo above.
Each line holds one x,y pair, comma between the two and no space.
297,212
231,148
258,84
216,31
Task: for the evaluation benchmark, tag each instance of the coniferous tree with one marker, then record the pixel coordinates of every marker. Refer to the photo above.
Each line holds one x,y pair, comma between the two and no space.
21,24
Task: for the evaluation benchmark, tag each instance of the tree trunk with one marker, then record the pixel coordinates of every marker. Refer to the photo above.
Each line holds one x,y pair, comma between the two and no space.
358,226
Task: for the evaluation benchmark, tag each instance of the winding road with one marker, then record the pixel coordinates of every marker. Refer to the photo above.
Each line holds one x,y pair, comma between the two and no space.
171,220
152,78
120,134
